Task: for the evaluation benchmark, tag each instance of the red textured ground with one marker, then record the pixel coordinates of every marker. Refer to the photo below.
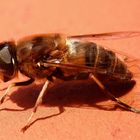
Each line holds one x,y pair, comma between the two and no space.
21,18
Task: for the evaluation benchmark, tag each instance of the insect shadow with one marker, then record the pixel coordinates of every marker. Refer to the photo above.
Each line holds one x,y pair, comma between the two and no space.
67,94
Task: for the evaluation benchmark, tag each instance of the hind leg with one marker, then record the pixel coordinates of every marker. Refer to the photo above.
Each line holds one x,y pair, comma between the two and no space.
112,97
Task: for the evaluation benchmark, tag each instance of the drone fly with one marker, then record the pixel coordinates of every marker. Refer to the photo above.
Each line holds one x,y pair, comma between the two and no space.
66,58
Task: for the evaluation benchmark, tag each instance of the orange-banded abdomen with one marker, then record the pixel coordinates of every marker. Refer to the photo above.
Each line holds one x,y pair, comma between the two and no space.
92,55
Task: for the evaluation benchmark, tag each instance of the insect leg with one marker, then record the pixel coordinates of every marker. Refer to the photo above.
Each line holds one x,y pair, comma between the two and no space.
24,83
112,97
38,102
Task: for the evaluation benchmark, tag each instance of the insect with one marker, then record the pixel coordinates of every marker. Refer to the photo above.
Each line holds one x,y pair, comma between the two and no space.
63,57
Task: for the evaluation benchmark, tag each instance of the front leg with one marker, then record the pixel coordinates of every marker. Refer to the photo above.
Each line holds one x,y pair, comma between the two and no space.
24,83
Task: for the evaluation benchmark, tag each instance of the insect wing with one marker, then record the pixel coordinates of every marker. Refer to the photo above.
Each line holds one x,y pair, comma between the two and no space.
82,68
107,36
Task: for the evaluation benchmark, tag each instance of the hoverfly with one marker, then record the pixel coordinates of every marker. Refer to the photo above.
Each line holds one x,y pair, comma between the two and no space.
66,58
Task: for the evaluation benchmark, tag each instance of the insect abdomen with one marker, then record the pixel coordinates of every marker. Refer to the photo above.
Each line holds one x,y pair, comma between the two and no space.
90,54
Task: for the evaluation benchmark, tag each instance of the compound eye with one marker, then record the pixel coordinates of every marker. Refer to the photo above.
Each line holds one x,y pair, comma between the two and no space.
7,65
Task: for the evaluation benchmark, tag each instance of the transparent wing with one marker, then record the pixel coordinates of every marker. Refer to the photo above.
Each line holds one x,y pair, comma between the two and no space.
81,68
106,36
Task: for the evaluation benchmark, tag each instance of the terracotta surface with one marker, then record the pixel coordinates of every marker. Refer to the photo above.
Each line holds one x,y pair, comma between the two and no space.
21,18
